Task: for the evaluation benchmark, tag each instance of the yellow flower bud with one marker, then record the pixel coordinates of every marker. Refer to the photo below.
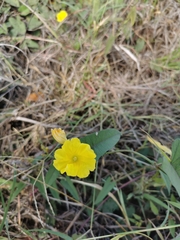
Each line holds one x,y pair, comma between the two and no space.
59,135
61,16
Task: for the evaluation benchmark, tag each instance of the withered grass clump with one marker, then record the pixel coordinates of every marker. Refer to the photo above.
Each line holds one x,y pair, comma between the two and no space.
112,66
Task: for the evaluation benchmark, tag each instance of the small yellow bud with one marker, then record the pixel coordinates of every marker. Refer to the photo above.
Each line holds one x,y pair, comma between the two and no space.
61,16
59,135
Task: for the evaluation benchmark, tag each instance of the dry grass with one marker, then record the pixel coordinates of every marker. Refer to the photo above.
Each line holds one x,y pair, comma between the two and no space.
83,82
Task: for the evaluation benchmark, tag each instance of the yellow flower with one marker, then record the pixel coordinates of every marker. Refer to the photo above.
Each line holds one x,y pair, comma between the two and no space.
75,158
61,16
59,135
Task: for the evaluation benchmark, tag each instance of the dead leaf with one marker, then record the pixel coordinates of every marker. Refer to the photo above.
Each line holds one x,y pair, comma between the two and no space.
34,97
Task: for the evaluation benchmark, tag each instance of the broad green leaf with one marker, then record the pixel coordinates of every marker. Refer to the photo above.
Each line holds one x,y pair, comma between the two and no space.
67,184
176,155
33,23
18,26
14,3
45,12
171,173
28,43
102,141
108,186
23,10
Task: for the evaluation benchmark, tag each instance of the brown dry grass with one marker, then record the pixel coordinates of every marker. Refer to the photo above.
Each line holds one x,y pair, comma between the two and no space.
83,89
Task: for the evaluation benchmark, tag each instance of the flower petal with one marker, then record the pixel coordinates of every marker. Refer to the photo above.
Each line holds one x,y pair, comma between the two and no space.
75,158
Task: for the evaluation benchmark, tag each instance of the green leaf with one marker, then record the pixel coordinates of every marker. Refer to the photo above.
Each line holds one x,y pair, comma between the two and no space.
157,201
166,181
18,188
165,177
171,173
109,43
5,10
7,184
109,206
56,233
132,15
91,118
45,12
54,190
14,3
78,236
67,184
127,30
154,209
33,2
39,184
28,43
108,186
13,186
155,66
177,238
102,141
50,179
174,204
171,222
23,10
33,23
3,29
18,26
51,175
139,45
176,155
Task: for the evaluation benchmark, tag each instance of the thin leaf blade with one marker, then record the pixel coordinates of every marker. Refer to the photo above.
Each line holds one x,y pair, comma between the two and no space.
108,186
176,155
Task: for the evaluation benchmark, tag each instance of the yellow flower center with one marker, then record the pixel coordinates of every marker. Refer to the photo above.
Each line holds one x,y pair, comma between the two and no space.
74,159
